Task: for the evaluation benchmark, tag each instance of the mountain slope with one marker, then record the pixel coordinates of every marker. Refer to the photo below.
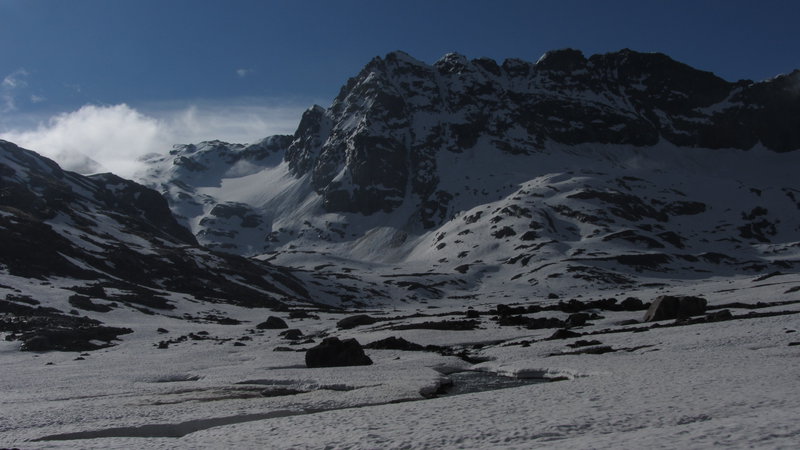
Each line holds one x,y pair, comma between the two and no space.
104,244
380,139
538,177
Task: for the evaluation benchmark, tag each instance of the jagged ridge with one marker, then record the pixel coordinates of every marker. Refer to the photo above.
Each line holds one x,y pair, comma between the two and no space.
377,143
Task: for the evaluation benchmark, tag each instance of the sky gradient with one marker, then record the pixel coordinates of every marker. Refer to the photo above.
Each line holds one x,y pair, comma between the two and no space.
263,62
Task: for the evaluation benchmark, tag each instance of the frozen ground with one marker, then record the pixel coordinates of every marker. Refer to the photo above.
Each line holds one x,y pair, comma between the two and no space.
731,383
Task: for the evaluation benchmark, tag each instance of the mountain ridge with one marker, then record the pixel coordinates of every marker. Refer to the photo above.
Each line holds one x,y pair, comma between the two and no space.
379,138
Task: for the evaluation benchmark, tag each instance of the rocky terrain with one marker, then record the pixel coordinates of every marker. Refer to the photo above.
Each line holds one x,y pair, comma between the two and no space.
610,245
612,171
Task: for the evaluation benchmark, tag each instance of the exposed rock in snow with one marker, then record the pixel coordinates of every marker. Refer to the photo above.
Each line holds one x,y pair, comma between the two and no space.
672,307
333,352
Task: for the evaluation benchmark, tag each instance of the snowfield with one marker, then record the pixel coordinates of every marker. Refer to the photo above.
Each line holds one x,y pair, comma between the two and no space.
730,383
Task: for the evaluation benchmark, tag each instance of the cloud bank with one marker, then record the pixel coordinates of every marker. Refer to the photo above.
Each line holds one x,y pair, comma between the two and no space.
113,138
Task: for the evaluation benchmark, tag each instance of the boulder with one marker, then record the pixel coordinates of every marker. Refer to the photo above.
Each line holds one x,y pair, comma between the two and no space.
632,304
37,343
333,352
577,319
355,321
668,307
272,323
302,315
505,310
538,323
719,316
564,334
293,335
395,343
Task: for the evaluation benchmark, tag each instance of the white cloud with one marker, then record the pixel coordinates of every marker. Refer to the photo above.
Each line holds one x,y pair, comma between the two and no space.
37,98
117,136
11,83
243,72
15,79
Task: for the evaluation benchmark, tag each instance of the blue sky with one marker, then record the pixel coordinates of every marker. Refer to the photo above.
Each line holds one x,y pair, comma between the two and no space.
173,63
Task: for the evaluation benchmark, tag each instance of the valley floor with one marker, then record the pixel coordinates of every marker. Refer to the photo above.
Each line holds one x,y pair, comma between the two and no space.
730,383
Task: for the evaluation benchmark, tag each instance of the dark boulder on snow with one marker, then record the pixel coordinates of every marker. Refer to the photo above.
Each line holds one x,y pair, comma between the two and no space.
668,307
355,321
577,319
333,352
394,343
538,323
272,323
632,304
293,335
719,316
564,334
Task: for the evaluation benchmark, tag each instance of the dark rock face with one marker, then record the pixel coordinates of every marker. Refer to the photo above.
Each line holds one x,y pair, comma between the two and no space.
378,142
668,307
333,352
355,321
82,302
155,252
272,323
133,199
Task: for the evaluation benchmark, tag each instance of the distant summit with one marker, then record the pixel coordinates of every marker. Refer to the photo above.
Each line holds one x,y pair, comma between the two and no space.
565,172
381,136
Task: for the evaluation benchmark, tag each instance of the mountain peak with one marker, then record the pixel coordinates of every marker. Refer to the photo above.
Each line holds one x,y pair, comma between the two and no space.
379,141
451,63
565,60
402,57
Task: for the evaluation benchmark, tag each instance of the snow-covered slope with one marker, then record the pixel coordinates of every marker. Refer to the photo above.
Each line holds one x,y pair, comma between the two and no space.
609,171
104,243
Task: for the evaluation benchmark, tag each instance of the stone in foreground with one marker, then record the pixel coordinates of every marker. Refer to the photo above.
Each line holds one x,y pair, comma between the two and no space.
333,352
355,321
273,323
668,307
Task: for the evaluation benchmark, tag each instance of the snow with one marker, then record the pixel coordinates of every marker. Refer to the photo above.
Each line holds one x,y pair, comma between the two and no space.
696,386
727,383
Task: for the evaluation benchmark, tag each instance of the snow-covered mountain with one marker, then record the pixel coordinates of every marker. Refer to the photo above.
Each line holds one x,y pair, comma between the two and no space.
480,227
118,240
607,171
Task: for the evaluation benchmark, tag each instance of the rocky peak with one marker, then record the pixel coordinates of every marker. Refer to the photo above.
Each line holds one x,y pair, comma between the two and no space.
452,63
564,60
377,145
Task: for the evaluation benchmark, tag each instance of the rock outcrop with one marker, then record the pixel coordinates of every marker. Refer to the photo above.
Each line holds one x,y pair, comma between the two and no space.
668,307
332,352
